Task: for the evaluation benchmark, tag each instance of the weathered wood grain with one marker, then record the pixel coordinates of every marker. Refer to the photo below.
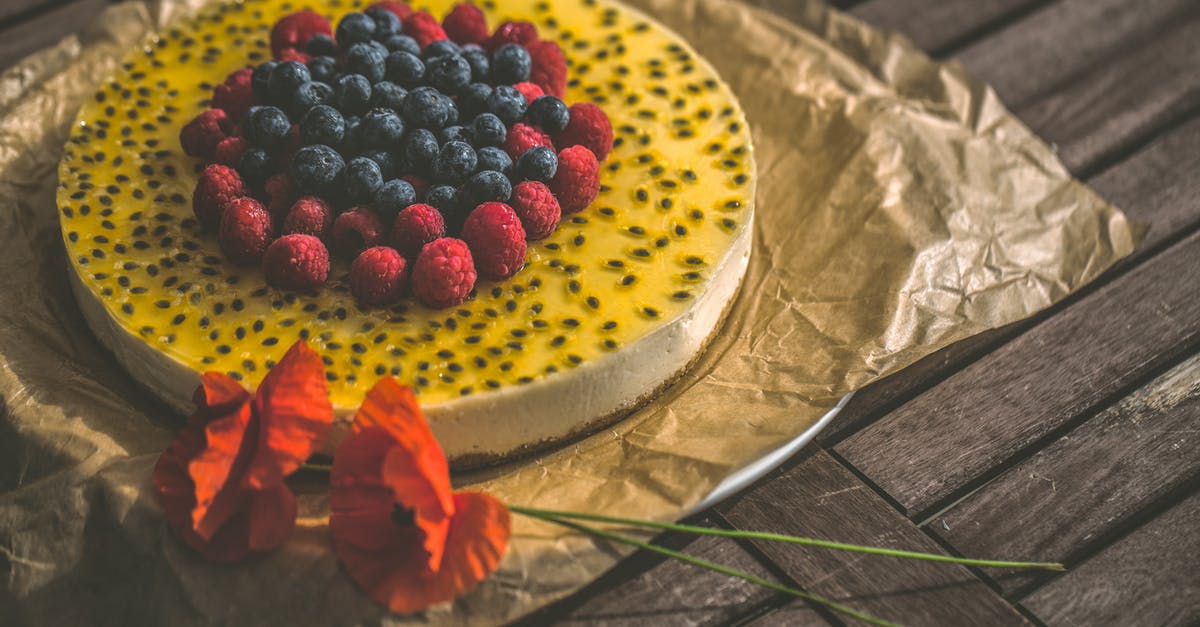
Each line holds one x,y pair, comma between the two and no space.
27,36
820,498
938,444
1147,578
1115,104
1038,53
649,589
1156,186
796,614
12,10
937,25
1057,504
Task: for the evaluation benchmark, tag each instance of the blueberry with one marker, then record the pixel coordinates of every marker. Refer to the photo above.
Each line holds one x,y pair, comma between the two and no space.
439,48
455,162
351,143
255,166
537,164
486,186
323,69
354,28
353,94
403,43
404,69
510,65
488,130
366,60
473,100
455,133
491,158
285,78
420,149
322,125
507,103
363,178
381,128
387,95
386,22
549,113
478,60
445,199
308,96
317,169
385,160
452,116
425,107
449,73
393,196
260,79
267,127
321,45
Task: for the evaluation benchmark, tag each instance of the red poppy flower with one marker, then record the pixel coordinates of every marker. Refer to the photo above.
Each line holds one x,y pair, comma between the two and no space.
397,528
220,482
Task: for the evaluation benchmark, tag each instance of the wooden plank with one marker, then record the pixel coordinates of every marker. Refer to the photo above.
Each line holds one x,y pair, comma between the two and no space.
1058,504
1147,578
820,498
1039,52
1155,186
10,9
951,436
795,614
44,29
1112,107
648,588
937,25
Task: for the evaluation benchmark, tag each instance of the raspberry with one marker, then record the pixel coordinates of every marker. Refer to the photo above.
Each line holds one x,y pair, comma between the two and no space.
293,31
529,90
292,54
281,194
199,138
444,273
296,262
355,231
235,96
419,184
416,226
520,33
588,127
377,276
497,240
217,185
549,67
399,9
229,151
537,208
309,216
422,27
522,137
245,231
578,179
466,24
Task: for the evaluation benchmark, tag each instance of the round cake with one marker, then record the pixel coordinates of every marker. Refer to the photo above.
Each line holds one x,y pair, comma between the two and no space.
608,310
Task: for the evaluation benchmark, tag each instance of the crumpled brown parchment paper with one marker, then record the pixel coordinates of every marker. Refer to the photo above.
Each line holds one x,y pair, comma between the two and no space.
901,208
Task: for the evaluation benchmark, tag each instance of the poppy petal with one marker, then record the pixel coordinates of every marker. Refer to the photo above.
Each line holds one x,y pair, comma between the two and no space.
295,415
420,479
271,517
476,542
411,488
213,466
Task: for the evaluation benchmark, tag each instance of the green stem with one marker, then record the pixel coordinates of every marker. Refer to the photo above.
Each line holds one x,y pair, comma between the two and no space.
315,467
695,561
758,535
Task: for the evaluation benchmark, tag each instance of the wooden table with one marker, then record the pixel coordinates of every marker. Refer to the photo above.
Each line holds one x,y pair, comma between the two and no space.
1071,436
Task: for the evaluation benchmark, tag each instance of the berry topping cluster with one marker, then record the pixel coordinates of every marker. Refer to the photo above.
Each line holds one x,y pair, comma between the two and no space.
424,153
